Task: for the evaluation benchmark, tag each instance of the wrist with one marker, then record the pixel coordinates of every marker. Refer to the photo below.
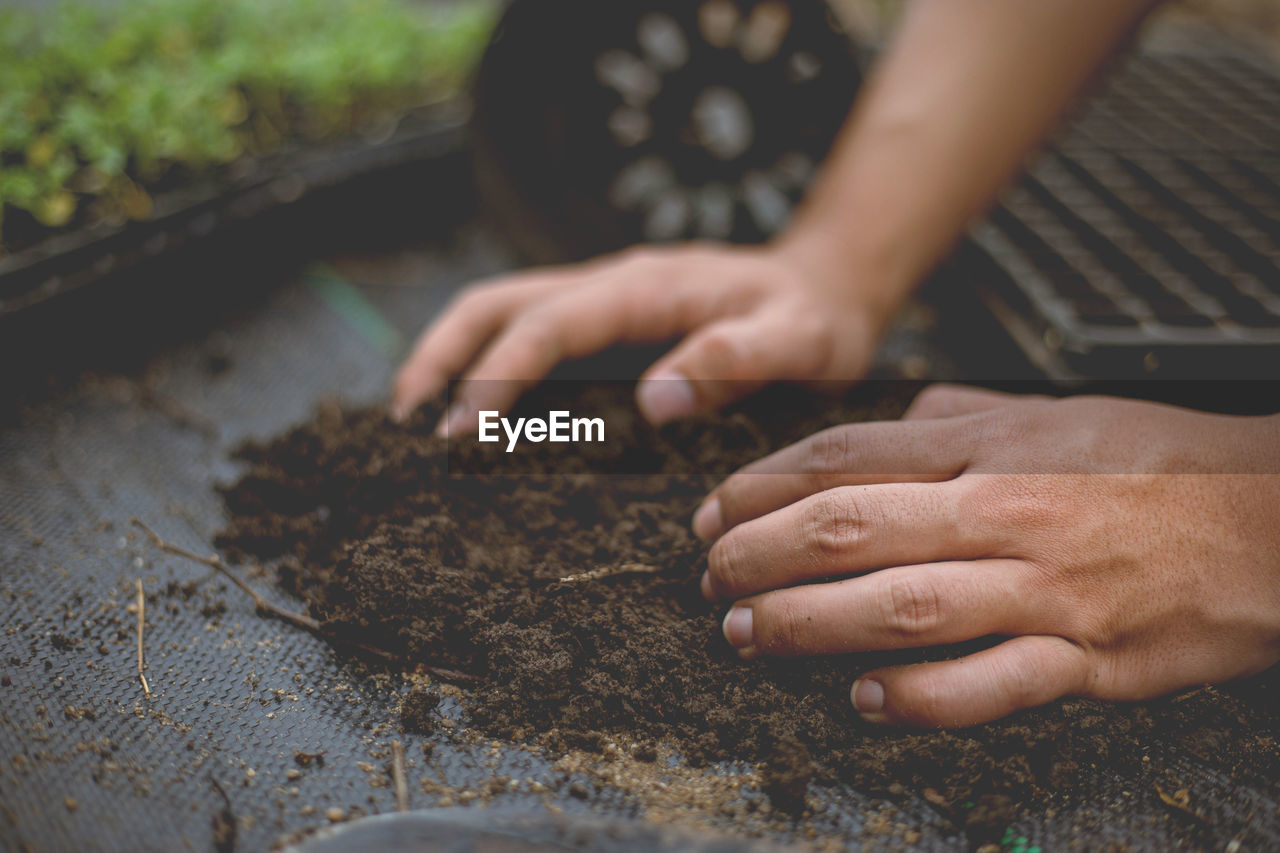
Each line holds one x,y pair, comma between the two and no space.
868,280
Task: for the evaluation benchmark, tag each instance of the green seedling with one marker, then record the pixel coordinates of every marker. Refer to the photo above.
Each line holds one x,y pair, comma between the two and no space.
104,105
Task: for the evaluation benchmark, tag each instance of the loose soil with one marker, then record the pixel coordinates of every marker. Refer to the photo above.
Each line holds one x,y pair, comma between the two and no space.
463,572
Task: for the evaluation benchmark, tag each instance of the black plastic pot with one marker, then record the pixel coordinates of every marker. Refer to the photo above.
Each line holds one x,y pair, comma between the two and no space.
599,125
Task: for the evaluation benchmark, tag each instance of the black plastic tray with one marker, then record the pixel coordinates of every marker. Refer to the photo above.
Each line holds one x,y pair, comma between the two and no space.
1146,242
64,263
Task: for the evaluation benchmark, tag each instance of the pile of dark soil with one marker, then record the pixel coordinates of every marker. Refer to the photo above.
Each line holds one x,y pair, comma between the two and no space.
464,572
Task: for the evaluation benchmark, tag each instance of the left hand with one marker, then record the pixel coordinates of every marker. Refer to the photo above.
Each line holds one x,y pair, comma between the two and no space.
1125,549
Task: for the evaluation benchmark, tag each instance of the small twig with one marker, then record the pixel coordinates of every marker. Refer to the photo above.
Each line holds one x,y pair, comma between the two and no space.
397,776
610,571
1181,800
224,822
215,562
298,620
142,620
448,674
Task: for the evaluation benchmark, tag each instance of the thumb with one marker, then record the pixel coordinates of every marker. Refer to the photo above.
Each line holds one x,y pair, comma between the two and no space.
1019,673
729,359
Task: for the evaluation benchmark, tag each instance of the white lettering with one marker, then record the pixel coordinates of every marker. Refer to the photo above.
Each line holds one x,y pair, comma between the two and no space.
488,421
559,427
513,435
588,424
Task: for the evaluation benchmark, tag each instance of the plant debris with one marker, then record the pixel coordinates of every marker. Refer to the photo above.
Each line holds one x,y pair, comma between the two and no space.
142,621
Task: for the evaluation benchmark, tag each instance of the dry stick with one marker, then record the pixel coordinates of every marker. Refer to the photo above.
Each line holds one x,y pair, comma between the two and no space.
215,562
224,822
296,619
142,619
610,571
397,776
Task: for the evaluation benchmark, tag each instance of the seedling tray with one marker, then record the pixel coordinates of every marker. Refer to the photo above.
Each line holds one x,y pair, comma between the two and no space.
1146,242
242,195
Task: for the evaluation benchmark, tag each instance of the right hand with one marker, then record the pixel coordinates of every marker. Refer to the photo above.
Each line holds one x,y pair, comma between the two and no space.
752,315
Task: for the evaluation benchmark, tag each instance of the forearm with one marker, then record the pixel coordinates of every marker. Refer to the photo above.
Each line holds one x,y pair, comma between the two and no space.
965,91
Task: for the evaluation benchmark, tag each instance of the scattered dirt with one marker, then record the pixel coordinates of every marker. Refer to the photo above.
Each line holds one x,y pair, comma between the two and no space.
418,711
463,572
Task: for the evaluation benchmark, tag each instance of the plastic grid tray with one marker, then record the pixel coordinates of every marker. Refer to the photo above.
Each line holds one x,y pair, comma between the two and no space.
1147,240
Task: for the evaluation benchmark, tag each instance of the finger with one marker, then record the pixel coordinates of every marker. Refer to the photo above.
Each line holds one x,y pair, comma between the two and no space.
571,325
843,531
617,306
853,454
904,607
724,361
450,343
943,400
1019,673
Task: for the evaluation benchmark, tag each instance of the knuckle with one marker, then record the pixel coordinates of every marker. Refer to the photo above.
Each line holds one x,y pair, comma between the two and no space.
1021,682
819,356
1006,427
828,452
633,302
973,496
921,701
815,329
730,493
727,564
724,355
782,624
532,337
975,507
835,522
1025,509
1007,507
913,607
932,400
641,254
475,299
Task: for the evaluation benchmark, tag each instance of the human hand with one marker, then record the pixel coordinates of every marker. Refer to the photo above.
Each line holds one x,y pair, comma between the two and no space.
1126,549
751,315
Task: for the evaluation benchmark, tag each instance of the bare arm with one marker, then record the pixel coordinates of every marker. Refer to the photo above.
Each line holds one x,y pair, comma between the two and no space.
965,92
967,89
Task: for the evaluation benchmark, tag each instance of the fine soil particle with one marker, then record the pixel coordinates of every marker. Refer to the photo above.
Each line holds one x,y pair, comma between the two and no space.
787,772
392,548
418,711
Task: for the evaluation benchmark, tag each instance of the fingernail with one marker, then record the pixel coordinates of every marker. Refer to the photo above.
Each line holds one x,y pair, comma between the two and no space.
665,396
398,413
737,627
453,421
867,696
707,592
708,521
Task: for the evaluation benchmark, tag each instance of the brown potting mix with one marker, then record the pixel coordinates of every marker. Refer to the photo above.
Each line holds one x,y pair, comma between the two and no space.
570,598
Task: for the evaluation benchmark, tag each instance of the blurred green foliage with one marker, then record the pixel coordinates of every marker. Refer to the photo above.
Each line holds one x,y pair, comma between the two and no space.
100,105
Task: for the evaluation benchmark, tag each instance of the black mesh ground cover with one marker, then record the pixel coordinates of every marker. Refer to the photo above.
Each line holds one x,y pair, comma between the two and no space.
86,762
